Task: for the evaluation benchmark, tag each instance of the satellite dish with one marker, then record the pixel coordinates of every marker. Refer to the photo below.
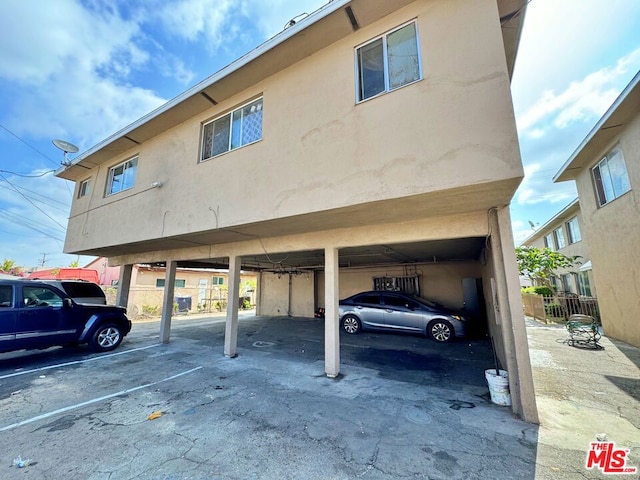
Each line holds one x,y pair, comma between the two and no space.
66,147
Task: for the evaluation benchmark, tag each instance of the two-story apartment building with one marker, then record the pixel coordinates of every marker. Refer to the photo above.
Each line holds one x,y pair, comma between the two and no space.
373,141
606,169
563,234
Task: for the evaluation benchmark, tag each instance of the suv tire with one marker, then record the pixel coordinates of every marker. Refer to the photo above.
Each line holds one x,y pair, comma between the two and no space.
106,337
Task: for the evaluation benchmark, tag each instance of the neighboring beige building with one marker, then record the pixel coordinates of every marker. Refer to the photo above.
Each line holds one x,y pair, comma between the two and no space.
606,169
563,233
371,143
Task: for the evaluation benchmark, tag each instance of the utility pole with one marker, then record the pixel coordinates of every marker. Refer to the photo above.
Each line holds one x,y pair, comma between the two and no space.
44,260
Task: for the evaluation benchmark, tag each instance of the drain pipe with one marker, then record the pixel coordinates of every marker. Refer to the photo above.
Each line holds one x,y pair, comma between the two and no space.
290,294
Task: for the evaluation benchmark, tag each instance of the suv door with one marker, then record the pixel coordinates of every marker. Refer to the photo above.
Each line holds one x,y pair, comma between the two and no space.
8,316
402,313
41,319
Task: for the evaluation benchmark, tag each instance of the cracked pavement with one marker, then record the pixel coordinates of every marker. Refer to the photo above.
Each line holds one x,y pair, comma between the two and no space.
403,407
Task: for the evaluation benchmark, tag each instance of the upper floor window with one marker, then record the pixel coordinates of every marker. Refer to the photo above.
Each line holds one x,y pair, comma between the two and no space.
574,230
388,62
235,129
122,176
558,234
610,177
548,241
217,280
178,283
84,189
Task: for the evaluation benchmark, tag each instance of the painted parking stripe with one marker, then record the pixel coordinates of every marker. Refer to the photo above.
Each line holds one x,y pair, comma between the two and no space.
95,400
75,362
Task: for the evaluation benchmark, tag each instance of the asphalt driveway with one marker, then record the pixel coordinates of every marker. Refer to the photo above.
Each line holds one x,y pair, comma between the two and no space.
404,407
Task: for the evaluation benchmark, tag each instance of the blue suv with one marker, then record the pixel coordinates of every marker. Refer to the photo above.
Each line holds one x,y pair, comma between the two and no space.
38,315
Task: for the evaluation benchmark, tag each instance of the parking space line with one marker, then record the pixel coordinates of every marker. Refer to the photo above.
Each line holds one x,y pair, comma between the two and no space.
95,400
49,367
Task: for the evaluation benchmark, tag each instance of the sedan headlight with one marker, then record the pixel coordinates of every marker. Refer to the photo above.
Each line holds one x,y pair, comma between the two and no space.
459,318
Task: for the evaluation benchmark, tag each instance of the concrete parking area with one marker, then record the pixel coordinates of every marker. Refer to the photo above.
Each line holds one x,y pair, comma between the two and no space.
403,407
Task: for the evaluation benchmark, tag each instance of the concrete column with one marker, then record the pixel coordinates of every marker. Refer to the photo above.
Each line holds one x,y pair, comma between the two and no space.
259,294
331,318
124,285
231,329
167,301
516,346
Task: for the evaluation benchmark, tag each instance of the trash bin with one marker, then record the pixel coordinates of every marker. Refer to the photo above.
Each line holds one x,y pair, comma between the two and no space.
184,303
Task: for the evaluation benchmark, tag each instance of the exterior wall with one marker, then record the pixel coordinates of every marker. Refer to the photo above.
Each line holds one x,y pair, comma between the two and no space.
278,297
455,128
613,232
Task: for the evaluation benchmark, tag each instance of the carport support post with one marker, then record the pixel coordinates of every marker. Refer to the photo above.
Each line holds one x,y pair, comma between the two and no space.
167,301
331,320
514,333
233,301
124,285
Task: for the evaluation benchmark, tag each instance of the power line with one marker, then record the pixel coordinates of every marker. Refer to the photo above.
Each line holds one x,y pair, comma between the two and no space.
30,146
27,176
66,205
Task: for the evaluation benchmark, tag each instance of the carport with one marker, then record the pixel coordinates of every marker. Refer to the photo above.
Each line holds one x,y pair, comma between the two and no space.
302,272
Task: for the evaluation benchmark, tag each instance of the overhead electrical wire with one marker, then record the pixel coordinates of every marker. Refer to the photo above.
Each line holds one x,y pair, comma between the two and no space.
28,145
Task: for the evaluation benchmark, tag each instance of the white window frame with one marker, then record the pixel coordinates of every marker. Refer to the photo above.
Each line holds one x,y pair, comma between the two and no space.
84,188
217,280
109,190
549,241
573,230
385,59
558,235
230,115
607,179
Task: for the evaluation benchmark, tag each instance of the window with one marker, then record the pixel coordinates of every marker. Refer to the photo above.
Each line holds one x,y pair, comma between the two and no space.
368,299
6,295
549,242
574,230
583,284
122,177
567,283
84,189
40,297
558,234
160,283
233,130
217,280
388,62
610,177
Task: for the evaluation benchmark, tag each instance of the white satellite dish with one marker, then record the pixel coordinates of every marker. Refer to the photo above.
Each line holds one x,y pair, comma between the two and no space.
66,147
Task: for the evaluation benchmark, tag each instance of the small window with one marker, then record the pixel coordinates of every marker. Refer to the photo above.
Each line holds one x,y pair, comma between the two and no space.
388,62
567,283
368,299
6,296
558,234
584,288
217,280
549,242
122,177
84,189
160,283
574,230
610,177
233,130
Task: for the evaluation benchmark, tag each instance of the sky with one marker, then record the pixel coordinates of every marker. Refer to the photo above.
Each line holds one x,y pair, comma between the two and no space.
80,70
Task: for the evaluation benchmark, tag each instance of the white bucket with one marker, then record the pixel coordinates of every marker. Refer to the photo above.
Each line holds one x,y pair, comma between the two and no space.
498,386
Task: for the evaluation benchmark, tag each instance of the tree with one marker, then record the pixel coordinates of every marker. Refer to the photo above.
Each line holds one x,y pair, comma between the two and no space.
541,264
7,265
74,264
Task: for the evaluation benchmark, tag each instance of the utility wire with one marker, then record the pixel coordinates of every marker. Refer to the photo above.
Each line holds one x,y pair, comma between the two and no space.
51,199
30,146
27,176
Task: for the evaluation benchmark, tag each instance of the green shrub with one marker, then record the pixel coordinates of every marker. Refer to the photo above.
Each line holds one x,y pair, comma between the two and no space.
553,310
152,310
546,291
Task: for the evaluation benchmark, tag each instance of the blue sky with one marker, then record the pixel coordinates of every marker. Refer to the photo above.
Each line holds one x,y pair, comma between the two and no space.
81,70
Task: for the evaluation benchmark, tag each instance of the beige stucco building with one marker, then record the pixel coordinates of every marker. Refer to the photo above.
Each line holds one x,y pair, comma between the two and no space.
606,169
563,234
373,141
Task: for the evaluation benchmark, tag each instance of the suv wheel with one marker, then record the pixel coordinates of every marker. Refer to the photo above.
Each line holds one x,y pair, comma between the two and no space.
106,337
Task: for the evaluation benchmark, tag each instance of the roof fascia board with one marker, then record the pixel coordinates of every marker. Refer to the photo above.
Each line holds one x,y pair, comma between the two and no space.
550,222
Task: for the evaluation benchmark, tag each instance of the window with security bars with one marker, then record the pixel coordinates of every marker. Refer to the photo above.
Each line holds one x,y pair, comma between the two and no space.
238,128
407,284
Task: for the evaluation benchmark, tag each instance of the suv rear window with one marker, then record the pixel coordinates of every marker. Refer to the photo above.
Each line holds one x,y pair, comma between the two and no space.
82,290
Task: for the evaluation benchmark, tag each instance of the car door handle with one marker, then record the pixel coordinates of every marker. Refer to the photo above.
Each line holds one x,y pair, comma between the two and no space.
388,310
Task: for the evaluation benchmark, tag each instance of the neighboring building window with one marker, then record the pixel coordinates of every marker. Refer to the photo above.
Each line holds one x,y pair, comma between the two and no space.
122,177
548,241
160,283
388,62
567,283
217,280
558,234
583,284
233,130
84,189
610,177
574,230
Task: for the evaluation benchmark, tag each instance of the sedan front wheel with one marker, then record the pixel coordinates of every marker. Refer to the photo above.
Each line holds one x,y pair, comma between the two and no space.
440,331
351,324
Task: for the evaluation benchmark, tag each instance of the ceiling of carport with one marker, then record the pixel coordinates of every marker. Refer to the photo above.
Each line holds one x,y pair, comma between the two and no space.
435,251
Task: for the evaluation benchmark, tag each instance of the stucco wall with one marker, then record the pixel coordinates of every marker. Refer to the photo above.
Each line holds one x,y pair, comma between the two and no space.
452,129
277,298
613,232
